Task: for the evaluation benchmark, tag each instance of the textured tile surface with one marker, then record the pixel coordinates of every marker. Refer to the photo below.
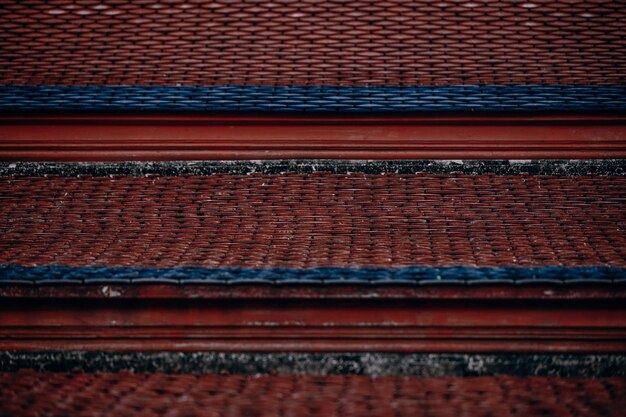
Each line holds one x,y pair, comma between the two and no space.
29,393
313,220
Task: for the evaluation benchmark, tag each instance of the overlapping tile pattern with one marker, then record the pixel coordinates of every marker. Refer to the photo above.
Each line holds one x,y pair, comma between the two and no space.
324,99
29,393
304,221
310,42
313,56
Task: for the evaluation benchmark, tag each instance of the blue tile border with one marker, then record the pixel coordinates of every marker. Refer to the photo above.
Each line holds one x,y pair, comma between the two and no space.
314,98
414,275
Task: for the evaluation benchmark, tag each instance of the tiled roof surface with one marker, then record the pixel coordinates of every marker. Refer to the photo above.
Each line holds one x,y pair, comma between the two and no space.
314,220
315,227
30,393
309,55
310,42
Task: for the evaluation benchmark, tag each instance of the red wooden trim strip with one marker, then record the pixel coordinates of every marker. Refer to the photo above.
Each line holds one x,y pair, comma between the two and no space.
314,325
169,137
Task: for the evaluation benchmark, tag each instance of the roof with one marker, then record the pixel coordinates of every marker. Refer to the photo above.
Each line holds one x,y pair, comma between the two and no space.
329,56
125,393
316,227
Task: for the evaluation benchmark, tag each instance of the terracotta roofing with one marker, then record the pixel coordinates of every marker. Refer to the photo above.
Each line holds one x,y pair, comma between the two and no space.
309,55
315,227
310,42
30,393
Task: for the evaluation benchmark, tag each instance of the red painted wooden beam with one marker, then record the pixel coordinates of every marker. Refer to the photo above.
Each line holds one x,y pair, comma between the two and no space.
289,324
215,137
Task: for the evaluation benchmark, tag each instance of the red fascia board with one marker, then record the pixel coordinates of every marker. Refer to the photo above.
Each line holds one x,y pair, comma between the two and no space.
216,137
261,318
314,325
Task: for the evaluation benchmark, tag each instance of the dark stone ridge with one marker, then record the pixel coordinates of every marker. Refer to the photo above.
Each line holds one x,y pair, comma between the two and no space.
374,364
499,167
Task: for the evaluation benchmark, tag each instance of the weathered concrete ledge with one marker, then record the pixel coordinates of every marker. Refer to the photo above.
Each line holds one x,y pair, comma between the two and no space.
566,167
